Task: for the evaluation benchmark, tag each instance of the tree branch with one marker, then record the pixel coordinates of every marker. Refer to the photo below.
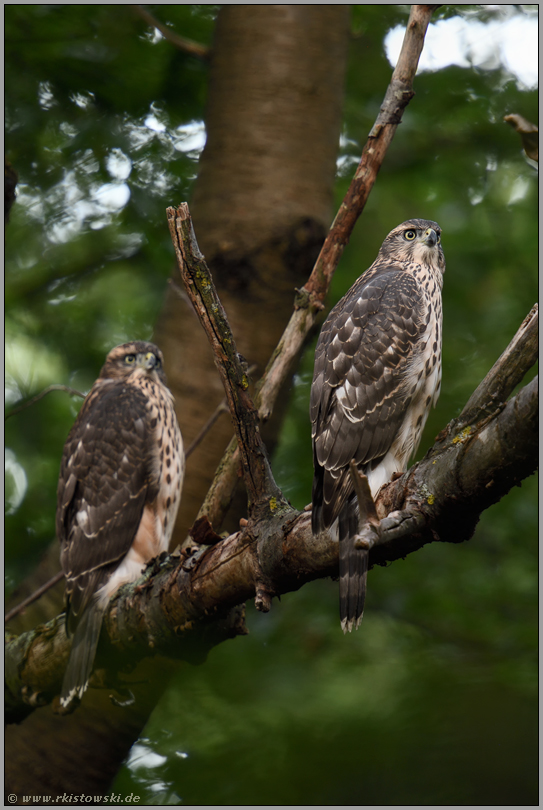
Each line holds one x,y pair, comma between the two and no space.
398,95
187,603
231,367
188,45
34,596
56,387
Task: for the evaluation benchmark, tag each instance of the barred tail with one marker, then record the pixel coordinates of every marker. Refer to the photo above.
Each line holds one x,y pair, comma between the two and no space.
353,573
82,654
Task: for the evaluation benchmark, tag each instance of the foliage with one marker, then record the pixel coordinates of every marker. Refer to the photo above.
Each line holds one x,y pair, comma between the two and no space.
438,687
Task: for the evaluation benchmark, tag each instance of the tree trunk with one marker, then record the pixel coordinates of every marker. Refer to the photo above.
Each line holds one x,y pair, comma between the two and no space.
262,205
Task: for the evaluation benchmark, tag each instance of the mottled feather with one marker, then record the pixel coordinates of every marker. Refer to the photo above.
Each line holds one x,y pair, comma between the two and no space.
377,373
118,493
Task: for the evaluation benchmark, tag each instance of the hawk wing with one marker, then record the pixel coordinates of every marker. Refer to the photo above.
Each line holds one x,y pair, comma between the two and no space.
105,481
361,384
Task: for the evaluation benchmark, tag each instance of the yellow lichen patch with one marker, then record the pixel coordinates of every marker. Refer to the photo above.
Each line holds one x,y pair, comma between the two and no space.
426,494
462,436
273,504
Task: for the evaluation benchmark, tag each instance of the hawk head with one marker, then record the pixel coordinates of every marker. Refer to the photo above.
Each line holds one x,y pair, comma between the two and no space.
135,357
416,240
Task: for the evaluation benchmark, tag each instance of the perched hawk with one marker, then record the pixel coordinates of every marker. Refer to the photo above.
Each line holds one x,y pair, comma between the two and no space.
118,494
377,373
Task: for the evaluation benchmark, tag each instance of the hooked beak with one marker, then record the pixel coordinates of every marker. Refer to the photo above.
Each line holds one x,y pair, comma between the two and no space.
147,361
150,360
430,237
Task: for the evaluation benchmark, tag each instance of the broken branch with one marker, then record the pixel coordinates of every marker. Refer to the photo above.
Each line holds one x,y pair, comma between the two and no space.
207,305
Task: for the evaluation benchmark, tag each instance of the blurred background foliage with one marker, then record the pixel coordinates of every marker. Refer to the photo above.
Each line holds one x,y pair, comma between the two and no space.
433,701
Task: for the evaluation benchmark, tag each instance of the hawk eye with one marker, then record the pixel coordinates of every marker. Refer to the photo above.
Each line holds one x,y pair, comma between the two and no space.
410,235
130,359
438,238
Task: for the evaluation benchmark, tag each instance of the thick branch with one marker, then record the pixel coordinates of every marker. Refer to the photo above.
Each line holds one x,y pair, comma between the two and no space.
184,605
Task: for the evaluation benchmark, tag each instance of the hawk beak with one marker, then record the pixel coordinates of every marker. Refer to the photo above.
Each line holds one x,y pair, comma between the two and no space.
149,361
430,237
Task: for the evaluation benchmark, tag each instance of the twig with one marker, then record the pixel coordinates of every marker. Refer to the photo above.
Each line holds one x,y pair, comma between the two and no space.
201,291
33,596
188,45
222,407
19,408
310,298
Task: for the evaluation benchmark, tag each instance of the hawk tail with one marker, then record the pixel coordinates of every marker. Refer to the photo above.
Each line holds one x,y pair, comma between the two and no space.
82,655
353,573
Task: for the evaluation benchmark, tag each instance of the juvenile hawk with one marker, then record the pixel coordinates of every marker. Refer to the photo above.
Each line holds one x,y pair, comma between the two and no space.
118,493
377,373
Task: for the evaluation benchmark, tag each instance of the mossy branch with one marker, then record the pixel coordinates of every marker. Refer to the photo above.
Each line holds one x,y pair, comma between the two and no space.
187,603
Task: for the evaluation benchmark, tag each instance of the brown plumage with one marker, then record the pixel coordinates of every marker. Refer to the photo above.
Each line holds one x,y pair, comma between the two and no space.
118,493
377,374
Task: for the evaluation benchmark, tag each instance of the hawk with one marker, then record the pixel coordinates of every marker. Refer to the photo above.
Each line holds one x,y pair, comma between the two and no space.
118,493
377,374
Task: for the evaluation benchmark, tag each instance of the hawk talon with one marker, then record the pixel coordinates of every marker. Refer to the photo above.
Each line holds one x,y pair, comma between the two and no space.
365,540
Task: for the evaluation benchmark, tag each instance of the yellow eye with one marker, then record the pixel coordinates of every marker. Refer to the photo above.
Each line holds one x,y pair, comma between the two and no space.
438,238
130,359
410,235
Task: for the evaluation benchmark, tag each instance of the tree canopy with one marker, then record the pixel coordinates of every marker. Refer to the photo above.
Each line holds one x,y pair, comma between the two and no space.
433,700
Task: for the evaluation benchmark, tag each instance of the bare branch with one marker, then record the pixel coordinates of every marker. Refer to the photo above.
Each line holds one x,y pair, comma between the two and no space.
221,408
18,408
33,596
203,296
184,44
398,95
